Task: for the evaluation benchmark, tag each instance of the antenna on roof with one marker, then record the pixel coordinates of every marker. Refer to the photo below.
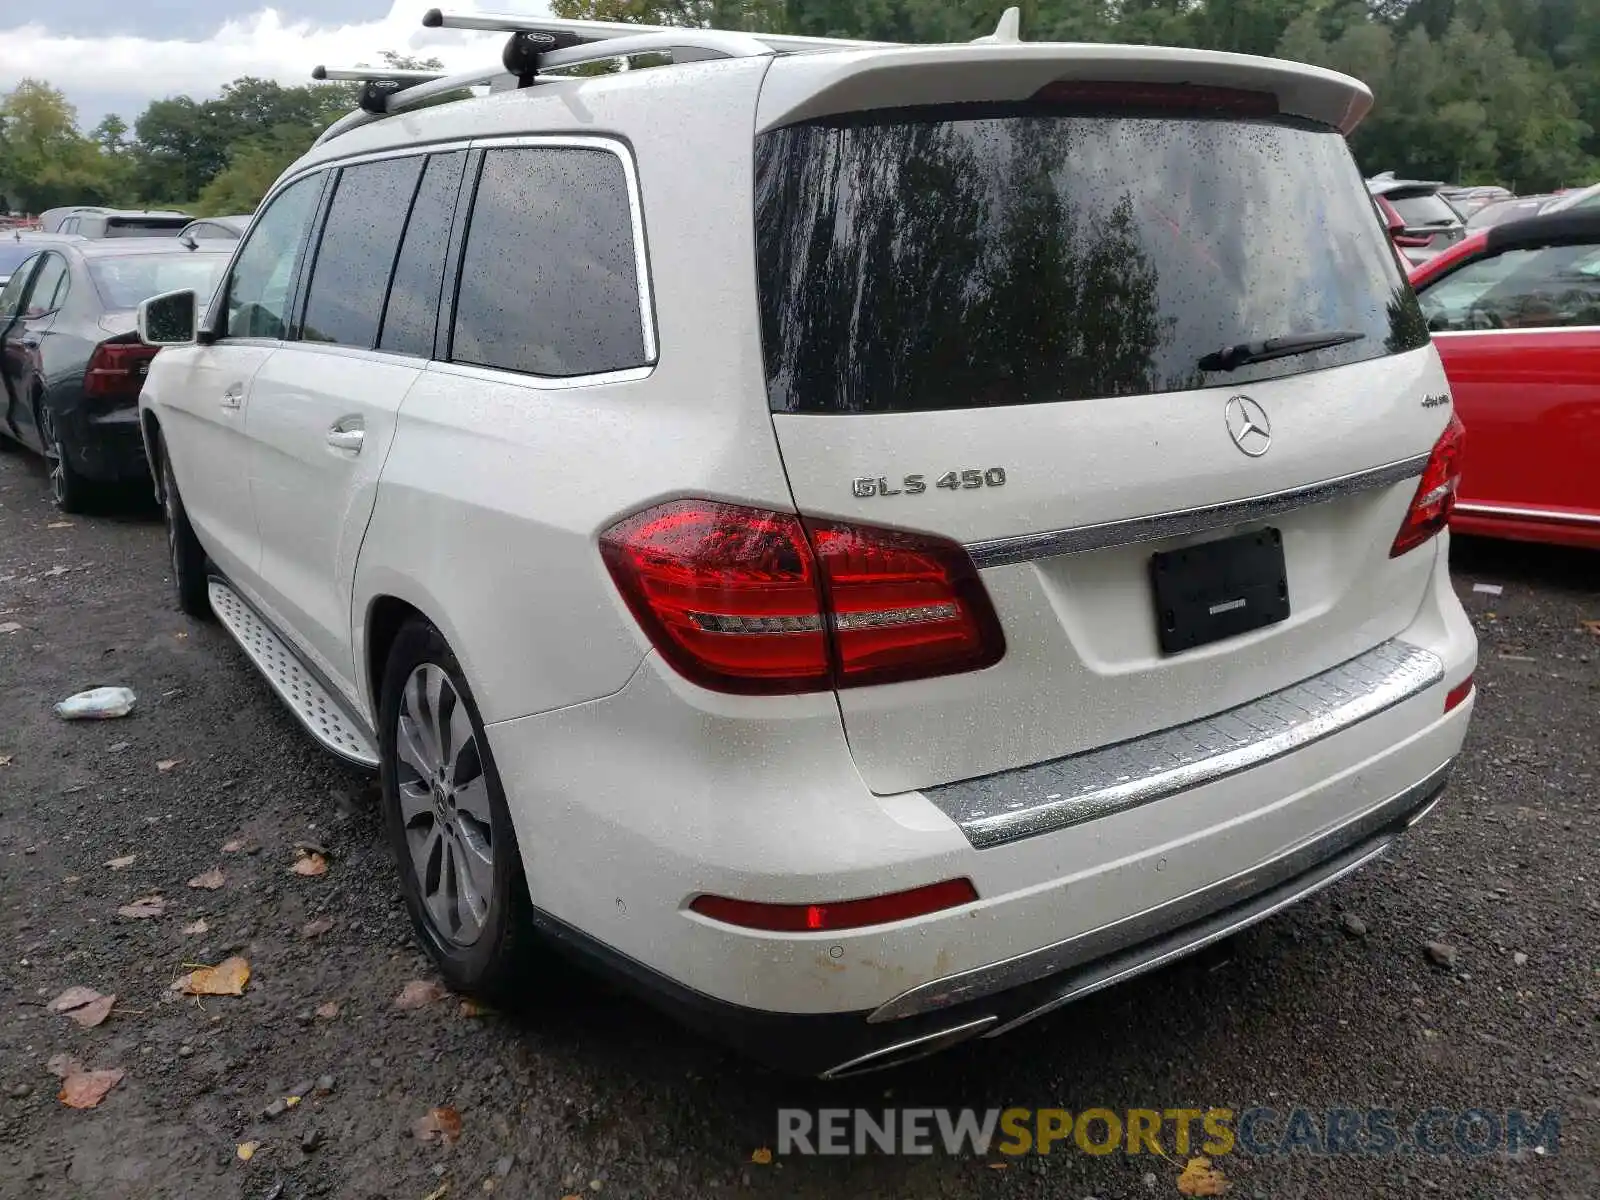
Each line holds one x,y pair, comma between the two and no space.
1009,29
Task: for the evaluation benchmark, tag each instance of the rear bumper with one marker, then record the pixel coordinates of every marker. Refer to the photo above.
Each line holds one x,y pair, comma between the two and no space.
630,806
104,445
837,1045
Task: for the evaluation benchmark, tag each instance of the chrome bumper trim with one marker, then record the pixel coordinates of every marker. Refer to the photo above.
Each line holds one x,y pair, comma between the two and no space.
1158,935
1468,509
1006,807
1000,552
909,1050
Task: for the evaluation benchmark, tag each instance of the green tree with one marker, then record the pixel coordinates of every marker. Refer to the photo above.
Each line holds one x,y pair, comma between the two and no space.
44,160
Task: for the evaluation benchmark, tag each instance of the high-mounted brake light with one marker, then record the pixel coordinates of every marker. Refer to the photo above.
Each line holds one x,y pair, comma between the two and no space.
841,914
753,601
117,369
1436,492
1165,97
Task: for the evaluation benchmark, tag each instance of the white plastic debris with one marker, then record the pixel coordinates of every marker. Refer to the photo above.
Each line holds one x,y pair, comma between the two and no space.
1488,589
97,704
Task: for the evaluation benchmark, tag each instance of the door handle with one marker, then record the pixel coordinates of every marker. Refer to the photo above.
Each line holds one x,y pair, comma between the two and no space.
348,433
234,396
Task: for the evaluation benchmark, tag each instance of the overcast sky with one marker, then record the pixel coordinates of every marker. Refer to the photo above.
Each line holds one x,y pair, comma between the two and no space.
118,55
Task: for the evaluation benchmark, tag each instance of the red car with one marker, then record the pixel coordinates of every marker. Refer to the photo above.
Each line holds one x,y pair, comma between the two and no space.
1515,313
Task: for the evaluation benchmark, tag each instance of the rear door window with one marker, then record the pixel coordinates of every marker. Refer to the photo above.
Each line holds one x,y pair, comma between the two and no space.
413,308
550,282
961,258
49,289
350,277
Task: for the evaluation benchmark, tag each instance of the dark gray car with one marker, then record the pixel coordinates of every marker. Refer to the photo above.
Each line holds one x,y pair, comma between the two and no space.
70,361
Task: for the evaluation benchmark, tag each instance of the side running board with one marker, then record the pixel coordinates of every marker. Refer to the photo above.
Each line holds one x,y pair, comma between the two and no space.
319,710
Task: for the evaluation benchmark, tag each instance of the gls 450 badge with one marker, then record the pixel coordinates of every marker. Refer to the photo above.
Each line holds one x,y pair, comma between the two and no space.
915,485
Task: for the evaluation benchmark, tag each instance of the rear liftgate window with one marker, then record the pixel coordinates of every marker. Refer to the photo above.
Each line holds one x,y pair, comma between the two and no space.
971,256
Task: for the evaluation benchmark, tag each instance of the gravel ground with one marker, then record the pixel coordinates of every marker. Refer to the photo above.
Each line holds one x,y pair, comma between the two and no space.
583,1092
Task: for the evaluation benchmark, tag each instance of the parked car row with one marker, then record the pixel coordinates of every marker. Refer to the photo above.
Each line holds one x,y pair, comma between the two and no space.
71,363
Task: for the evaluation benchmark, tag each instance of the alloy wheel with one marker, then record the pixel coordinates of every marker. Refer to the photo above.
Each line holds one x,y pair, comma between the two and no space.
444,805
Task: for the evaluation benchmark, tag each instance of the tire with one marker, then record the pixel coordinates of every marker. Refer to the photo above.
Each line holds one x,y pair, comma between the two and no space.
70,490
188,556
460,868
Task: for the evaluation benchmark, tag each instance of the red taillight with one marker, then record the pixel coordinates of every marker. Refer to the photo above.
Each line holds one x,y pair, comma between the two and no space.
842,914
1458,693
747,600
1188,97
117,369
1436,493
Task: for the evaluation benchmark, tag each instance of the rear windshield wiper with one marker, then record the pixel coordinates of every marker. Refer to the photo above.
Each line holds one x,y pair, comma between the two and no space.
1241,354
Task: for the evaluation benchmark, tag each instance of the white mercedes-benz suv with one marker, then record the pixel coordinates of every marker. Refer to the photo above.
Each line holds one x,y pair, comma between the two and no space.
864,544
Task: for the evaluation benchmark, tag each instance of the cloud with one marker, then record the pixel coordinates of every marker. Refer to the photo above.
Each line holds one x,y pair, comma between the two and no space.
123,73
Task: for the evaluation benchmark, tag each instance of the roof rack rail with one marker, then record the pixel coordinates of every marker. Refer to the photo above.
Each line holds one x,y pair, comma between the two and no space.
548,43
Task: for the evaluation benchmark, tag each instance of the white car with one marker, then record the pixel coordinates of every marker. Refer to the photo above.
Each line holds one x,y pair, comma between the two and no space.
864,544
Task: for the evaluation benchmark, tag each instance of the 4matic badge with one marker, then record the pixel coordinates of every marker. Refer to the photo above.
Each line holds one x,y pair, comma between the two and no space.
914,485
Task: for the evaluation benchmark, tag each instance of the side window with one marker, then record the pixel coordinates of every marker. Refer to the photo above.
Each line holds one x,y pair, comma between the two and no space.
549,282
49,288
1543,288
262,278
408,321
355,257
70,225
11,294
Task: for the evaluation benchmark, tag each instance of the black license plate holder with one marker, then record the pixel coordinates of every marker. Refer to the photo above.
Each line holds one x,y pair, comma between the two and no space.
1220,589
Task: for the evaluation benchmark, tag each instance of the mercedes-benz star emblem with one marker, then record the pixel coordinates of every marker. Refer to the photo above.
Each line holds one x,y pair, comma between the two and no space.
1248,425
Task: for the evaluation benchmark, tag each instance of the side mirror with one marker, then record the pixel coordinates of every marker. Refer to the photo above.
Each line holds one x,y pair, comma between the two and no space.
170,319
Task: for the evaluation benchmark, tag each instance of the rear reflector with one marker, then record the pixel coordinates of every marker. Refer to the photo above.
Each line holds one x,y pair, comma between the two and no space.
753,601
1161,97
1436,493
1458,693
842,914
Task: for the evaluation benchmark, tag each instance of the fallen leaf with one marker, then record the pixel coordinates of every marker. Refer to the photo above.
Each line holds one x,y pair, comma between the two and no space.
471,1008
1200,1178
9,626
290,1101
5,760
73,997
419,992
328,1011
180,636
233,847
84,1005
62,1065
85,1089
209,880
147,906
1593,627
761,1157
199,926
247,1150
116,864
316,928
59,525
227,978
437,1125
166,764
439,1193
310,864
